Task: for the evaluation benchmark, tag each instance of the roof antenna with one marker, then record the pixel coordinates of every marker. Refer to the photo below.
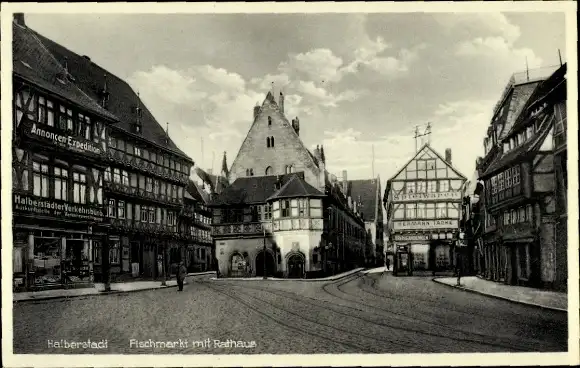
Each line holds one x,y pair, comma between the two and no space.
560,56
527,70
416,137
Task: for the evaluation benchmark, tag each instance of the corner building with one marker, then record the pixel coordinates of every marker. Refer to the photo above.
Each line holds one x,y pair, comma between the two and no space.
423,203
144,173
280,207
59,148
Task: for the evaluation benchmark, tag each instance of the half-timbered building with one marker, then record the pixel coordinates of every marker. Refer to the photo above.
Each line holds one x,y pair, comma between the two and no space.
59,147
277,210
423,203
145,173
520,190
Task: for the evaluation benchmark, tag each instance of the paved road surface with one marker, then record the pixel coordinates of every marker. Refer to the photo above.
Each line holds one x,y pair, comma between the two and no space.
367,314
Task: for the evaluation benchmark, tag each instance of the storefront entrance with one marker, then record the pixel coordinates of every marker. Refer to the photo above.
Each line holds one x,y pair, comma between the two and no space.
403,261
296,266
270,264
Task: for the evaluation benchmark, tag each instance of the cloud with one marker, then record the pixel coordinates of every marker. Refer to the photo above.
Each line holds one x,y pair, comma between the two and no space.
498,48
494,24
315,65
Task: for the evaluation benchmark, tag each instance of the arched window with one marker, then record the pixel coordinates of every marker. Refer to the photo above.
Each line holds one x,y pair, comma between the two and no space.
268,142
269,120
269,170
271,141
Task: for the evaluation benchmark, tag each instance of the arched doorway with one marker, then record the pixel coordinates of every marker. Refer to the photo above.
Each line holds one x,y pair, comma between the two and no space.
296,266
238,266
270,264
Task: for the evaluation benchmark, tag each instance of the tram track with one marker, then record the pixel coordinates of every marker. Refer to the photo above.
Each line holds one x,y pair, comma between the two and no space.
498,341
280,321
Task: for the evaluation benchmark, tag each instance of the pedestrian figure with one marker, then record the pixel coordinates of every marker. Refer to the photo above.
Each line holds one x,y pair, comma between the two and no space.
181,273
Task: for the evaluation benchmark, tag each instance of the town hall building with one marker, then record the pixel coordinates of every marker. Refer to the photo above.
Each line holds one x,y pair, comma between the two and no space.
281,213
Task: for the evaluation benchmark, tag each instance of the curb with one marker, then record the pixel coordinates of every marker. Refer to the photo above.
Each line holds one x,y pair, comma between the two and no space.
354,272
99,292
500,297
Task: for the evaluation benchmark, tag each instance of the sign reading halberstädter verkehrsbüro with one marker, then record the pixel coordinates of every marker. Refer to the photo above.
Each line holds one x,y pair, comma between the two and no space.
41,206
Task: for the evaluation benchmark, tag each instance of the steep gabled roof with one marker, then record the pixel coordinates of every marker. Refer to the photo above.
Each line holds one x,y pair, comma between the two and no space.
271,100
556,81
296,187
123,100
34,63
519,153
431,150
252,189
367,191
196,192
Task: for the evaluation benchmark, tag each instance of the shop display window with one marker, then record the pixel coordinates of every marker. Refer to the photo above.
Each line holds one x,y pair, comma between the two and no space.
47,261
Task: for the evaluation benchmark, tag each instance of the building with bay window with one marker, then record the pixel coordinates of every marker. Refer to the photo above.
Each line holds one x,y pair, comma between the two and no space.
521,193
59,148
423,204
144,174
278,210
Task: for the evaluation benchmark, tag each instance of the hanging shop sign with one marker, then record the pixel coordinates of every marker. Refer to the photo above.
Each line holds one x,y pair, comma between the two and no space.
409,197
48,207
425,224
48,134
411,237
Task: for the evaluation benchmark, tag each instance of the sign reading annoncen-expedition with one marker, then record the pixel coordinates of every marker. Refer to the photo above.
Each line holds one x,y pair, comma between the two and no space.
51,134
48,207
425,224
427,196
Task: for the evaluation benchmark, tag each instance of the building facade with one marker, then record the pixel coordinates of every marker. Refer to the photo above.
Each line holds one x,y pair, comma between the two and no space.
59,145
521,194
368,193
144,173
195,231
423,203
281,213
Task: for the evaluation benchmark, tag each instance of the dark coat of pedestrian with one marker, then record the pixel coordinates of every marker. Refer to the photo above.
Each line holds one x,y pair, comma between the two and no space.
181,273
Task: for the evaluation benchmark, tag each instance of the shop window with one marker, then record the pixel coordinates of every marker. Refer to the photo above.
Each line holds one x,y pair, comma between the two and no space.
79,187
47,260
60,183
40,179
114,252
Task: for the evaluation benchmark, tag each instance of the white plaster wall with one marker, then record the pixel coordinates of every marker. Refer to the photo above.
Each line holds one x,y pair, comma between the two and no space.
307,240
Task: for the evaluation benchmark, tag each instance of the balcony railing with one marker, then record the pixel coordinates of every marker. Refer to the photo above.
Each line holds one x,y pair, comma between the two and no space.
141,193
138,163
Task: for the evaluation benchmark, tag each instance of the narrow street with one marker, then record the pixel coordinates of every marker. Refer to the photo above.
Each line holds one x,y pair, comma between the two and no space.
359,314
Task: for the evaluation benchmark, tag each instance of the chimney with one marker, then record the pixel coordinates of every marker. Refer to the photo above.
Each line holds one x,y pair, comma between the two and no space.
448,155
19,19
296,125
256,110
281,102
344,182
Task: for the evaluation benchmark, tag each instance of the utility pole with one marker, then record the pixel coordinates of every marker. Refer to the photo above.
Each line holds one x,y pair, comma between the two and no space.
427,134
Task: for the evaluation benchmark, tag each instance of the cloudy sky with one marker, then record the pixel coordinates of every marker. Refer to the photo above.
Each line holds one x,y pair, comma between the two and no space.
355,81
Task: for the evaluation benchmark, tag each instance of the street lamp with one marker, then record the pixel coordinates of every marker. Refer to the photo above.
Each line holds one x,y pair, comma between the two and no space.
264,252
